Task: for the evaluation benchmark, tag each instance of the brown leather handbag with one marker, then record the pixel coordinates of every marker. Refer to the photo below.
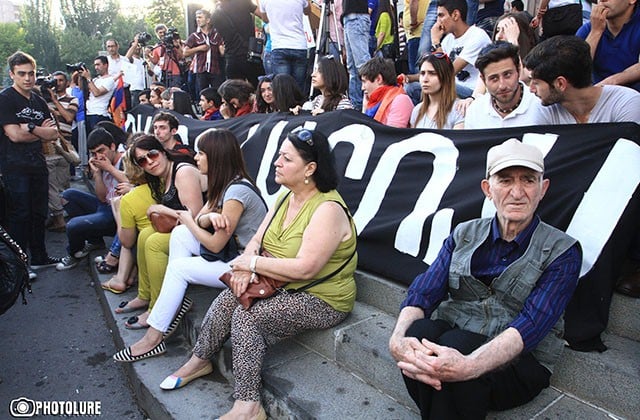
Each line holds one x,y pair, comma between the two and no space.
162,223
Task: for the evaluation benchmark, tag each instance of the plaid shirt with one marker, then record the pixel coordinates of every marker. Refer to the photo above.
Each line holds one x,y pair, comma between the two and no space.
205,61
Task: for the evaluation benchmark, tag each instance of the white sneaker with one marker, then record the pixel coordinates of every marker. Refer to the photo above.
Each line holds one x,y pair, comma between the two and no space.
67,263
32,275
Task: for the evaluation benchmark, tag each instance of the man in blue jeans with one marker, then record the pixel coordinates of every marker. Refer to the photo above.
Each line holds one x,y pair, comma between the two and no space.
356,23
91,215
288,40
26,122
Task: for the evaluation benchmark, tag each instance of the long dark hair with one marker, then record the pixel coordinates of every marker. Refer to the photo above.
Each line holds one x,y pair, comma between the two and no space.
149,142
286,93
261,106
182,103
336,81
225,162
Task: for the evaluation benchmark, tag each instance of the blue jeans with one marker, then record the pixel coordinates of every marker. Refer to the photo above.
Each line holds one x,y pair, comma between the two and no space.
26,199
463,92
290,61
412,55
429,20
93,120
356,43
90,219
472,11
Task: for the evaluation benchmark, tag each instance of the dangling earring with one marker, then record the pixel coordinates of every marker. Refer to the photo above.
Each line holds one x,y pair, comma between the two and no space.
306,181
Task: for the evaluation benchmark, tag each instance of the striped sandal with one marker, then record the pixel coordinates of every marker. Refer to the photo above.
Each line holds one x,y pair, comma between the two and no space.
184,308
125,356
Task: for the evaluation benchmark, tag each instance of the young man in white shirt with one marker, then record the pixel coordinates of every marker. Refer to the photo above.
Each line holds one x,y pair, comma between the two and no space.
461,42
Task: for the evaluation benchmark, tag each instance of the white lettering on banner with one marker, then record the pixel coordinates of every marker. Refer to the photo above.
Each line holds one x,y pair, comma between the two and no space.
362,138
440,230
444,170
604,202
270,151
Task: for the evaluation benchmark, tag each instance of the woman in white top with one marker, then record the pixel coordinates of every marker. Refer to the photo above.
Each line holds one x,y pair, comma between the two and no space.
438,95
330,78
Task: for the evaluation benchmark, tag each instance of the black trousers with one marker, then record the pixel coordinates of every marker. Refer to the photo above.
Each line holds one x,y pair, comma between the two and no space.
508,387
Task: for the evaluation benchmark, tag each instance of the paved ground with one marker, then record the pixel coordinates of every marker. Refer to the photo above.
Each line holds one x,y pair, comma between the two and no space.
58,347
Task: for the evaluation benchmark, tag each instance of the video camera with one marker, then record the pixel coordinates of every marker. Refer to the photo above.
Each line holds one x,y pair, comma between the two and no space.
46,82
171,35
80,66
143,39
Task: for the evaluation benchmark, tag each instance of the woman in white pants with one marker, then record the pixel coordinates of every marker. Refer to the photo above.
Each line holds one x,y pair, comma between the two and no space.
200,246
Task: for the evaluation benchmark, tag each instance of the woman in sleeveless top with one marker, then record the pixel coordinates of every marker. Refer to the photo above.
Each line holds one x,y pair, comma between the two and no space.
175,186
311,235
233,212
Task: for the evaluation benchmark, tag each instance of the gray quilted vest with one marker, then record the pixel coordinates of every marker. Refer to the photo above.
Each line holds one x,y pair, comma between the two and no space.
488,310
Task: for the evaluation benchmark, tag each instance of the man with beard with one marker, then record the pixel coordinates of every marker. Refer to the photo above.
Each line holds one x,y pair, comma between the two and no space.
508,102
561,69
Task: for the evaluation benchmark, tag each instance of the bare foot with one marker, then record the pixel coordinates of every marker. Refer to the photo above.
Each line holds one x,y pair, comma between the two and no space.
133,305
245,410
193,365
114,285
151,339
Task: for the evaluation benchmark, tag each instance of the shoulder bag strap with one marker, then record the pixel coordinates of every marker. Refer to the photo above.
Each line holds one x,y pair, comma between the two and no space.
328,276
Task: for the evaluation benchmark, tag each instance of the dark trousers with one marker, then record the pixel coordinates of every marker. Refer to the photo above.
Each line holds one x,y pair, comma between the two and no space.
508,387
240,68
93,120
205,80
27,207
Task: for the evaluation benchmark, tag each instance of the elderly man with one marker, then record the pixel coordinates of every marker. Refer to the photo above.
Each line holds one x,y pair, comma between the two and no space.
500,286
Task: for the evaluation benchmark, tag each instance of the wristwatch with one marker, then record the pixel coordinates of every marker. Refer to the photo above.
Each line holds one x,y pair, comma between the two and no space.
31,126
434,47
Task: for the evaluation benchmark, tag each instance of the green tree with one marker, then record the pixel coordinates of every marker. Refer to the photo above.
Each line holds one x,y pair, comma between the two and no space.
169,12
89,16
12,39
39,33
76,46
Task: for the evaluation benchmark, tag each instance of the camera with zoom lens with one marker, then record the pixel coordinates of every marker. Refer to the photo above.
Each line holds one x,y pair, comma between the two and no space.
143,39
46,83
171,35
79,66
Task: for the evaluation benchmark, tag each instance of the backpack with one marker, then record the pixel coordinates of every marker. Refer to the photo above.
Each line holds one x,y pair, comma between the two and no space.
14,275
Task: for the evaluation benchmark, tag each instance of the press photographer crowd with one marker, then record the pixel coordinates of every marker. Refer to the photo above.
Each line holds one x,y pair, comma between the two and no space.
177,216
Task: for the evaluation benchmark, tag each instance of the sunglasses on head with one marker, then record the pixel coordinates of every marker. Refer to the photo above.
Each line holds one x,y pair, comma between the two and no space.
152,155
303,135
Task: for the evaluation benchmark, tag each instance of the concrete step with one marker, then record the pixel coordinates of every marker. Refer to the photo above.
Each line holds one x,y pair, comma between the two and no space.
347,372
624,317
610,379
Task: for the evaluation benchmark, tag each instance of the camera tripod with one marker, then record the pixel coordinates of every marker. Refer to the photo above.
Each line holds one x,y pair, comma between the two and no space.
324,34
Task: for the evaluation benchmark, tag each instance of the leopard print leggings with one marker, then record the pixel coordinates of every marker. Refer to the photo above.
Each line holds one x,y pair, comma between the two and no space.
252,331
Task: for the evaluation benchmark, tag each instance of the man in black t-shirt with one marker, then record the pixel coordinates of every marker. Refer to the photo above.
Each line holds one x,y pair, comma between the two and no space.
26,122
233,20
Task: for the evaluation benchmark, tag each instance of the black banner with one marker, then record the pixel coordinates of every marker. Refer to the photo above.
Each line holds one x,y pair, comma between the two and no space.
408,188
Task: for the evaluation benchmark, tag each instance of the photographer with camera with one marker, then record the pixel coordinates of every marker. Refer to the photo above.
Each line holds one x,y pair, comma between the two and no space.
205,45
100,90
135,68
168,55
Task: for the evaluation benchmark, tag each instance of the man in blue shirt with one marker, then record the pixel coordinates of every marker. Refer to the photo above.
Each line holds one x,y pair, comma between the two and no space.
613,34
500,287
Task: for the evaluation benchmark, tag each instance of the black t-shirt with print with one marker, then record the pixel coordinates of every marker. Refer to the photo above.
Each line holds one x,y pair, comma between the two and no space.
16,109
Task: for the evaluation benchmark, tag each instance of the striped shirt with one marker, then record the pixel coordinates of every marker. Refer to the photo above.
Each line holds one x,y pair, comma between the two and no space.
546,302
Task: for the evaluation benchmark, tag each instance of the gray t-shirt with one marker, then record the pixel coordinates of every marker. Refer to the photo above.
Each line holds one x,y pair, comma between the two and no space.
253,214
616,104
